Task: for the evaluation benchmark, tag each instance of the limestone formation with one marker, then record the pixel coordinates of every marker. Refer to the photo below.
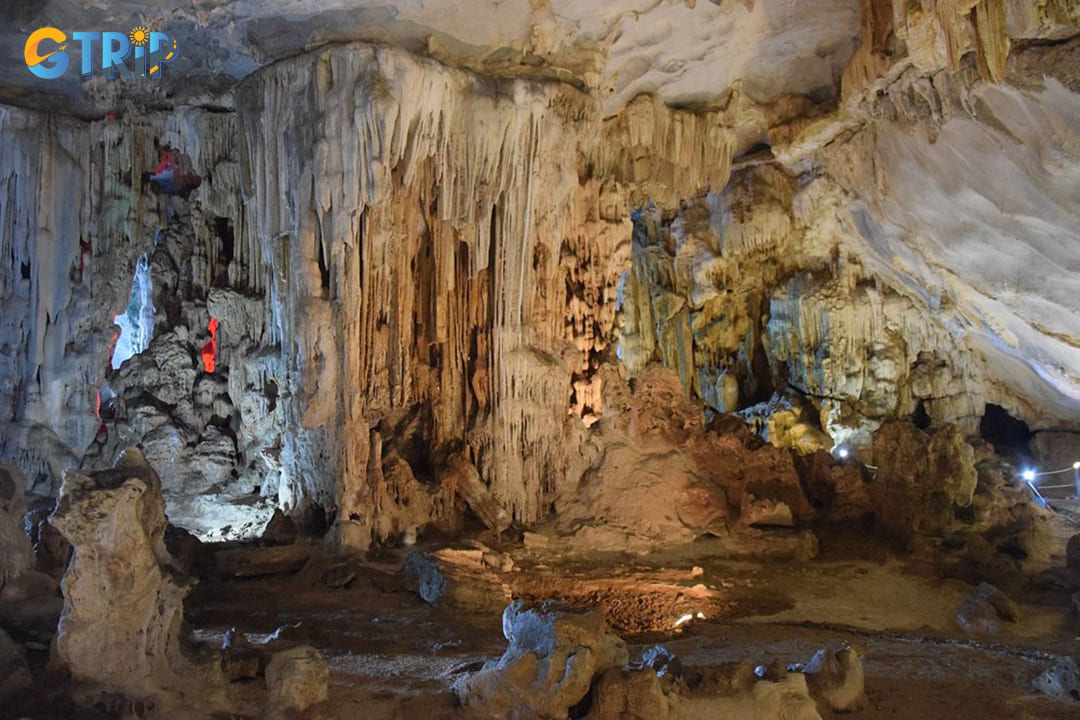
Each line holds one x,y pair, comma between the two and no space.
605,278
122,625
15,674
836,680
921,479
448,252
464,579
549,663
1062,679
296,679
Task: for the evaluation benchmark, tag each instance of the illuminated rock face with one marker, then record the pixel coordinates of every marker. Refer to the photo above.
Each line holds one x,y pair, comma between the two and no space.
423,269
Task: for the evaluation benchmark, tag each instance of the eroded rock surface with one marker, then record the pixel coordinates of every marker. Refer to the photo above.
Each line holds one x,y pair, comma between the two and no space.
296,680
122,625
548,666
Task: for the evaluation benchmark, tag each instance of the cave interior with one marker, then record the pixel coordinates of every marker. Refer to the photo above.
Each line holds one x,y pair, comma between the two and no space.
656,359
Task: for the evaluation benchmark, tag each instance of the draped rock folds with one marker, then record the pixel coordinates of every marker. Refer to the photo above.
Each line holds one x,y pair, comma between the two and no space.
423,275
432,230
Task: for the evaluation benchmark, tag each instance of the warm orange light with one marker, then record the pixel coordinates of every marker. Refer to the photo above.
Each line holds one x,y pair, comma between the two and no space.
209,350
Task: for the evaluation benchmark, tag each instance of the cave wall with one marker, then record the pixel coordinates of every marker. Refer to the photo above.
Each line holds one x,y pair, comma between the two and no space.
431,268
445,267
46,404
79,217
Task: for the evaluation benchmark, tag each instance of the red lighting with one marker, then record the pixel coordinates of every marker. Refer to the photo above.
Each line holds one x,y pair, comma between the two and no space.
209,350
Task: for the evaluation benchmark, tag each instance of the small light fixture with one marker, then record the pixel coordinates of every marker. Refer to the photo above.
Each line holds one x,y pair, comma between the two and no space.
1076,465
843,453
1029,476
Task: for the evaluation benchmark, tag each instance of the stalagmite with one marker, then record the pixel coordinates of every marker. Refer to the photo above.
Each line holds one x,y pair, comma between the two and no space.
123,613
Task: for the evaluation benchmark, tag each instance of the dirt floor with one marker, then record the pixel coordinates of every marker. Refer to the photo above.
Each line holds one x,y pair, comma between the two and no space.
393,655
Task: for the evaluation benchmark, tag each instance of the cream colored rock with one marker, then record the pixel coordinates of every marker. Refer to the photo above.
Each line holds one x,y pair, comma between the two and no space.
836,680
296,679
737,693
123,600
631,694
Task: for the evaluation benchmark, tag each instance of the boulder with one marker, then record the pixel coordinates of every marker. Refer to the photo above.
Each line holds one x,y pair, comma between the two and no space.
1072,553
296,680
983,610
549,665
247,562
465,579
921,478
30,606
1060,680
460,476
280,529
836,680
737,692
629,694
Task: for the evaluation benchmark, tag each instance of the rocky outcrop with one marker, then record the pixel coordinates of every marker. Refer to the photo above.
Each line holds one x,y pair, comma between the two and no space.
15,677
921,479
559,661
984,609
122,625
296,680
654,475
548,666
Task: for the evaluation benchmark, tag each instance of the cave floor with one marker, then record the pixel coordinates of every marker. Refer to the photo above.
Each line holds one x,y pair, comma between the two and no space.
393,655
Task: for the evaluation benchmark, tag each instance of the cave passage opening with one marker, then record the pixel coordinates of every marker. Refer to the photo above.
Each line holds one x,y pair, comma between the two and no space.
1010,436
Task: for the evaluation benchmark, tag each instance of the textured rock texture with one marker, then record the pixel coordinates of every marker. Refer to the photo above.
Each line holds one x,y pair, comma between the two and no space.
122,625
548,666
921,480
560,661
424,264
296,680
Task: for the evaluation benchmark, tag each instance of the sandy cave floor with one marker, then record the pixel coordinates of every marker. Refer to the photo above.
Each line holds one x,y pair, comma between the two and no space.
392,655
